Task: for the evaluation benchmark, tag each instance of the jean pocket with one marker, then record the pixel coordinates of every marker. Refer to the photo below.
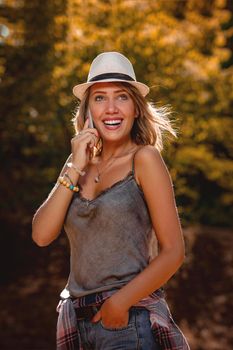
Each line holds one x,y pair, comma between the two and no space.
129,324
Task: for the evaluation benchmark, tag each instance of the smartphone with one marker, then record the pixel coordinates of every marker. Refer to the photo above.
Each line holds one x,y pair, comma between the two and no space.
91,126
90,119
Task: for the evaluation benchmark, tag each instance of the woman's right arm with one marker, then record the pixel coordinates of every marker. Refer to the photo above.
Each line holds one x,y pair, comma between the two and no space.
49,218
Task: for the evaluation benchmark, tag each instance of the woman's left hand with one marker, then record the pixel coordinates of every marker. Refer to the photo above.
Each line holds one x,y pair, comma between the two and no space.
111,315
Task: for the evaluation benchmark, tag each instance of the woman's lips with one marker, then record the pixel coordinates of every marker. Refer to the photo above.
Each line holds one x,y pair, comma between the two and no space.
112,124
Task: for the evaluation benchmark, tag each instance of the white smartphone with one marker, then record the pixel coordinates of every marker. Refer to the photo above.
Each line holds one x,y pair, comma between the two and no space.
90,119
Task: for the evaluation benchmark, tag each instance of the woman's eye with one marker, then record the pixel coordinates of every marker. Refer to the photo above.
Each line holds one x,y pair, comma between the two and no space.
99,98
123,97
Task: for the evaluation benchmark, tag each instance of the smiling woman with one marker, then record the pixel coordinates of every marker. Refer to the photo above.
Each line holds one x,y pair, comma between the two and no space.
115,200
112,108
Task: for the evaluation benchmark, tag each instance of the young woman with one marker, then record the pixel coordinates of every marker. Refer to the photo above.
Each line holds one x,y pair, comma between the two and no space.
115,199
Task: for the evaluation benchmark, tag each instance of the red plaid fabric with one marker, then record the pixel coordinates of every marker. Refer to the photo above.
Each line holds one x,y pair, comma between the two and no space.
166,331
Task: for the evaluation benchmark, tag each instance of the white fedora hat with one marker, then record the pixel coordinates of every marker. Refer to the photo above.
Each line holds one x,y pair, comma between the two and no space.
110,67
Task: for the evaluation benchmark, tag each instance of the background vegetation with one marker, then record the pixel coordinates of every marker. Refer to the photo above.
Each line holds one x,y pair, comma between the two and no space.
183,50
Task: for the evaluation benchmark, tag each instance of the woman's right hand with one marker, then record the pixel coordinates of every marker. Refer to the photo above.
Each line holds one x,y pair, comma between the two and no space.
82,145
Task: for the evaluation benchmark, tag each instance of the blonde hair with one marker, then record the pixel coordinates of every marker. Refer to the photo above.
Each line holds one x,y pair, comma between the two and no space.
150,125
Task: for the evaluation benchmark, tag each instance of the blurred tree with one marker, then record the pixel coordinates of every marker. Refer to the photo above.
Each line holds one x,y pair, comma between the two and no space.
228,27
32,131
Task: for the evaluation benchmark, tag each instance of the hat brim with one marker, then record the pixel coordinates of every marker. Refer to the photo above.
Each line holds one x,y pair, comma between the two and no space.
79,90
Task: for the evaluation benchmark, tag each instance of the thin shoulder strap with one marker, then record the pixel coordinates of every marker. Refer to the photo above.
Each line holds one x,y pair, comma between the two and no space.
133,160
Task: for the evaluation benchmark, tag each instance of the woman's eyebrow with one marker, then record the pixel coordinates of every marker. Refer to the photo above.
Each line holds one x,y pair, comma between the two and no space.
98,92
104,92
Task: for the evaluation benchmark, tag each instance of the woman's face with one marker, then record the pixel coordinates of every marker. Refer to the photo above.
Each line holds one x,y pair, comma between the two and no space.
113,111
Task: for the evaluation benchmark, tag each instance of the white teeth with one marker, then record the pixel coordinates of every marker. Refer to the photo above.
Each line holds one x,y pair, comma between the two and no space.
112,122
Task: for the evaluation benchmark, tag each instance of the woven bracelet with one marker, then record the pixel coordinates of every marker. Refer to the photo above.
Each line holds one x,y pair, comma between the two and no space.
79,171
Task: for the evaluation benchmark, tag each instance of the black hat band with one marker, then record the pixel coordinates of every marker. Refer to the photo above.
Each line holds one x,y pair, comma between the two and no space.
104,76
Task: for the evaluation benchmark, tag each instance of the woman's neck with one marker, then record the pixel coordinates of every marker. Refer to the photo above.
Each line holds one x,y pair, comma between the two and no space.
115,149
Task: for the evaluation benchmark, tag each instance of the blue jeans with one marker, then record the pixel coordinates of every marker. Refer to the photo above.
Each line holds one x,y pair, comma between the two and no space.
137,335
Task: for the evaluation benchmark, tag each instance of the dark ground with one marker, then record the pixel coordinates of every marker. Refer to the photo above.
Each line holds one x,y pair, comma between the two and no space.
199,295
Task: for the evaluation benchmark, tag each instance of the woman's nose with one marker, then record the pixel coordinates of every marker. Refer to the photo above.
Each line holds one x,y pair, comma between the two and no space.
111,106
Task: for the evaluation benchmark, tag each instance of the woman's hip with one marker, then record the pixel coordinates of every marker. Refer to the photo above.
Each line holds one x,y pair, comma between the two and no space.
137,335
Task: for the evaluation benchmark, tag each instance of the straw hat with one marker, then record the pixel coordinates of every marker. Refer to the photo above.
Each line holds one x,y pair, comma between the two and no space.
110,67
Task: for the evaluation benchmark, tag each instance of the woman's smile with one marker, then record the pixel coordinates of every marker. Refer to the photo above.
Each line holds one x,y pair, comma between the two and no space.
112,124
113,110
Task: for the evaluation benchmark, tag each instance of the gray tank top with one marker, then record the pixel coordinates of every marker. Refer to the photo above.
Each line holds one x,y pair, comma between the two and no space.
111,238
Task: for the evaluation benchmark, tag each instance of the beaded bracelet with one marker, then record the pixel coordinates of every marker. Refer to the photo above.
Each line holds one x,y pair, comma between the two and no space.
79,171
68,185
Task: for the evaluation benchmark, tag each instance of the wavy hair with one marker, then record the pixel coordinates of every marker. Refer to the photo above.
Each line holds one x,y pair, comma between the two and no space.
150,126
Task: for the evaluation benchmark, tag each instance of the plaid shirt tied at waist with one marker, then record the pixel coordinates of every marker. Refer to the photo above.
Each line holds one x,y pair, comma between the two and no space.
166,331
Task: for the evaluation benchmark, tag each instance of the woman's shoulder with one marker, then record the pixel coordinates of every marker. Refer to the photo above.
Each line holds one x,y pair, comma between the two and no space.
146,154
149,164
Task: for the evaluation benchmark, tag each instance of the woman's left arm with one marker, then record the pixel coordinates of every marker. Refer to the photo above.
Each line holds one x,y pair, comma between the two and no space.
155,181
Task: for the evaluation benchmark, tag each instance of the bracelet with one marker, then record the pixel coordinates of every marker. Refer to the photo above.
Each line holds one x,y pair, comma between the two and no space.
68,185
79,171
67,175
